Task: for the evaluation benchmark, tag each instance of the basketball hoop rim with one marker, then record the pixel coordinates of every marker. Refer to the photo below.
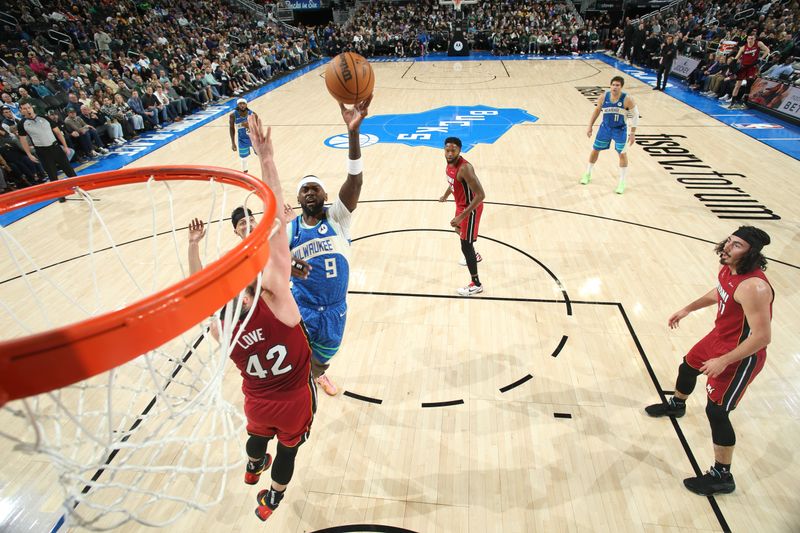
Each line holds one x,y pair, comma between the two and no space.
50,360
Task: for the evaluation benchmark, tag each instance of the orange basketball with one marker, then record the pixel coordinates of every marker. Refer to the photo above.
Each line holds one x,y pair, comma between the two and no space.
349,78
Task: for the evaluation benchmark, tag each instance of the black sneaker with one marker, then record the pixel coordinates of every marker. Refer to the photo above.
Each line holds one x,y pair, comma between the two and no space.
665,409
710,483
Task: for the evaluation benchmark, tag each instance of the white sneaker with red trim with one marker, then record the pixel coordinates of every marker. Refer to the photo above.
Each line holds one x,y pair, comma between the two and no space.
470,289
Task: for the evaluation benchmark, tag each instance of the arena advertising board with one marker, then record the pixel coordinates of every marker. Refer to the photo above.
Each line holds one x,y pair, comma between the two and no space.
776,95
478,124
683,66
305,4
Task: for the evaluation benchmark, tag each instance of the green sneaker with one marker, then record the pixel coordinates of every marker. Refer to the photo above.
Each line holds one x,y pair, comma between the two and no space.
586,178
620,188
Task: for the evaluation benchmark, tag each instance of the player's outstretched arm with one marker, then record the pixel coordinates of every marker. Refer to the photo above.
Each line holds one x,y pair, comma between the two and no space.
197,230
277,271
351,190
709,298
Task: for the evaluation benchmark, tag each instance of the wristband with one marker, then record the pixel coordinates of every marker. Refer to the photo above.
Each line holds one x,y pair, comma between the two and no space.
355,166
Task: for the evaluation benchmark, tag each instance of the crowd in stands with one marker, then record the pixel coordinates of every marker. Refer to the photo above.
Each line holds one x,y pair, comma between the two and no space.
504,27
105,71
713,33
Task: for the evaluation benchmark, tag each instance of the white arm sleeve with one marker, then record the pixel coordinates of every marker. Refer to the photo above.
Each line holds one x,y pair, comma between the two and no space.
634,116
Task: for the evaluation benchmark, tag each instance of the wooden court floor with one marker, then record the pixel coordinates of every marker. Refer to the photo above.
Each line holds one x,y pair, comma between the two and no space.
520,410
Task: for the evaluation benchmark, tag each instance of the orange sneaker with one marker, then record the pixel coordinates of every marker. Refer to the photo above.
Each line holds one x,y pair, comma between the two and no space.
327,385
253,472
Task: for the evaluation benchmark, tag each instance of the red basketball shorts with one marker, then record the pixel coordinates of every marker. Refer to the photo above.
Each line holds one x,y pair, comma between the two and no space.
729,387
468,230
746,73
285,414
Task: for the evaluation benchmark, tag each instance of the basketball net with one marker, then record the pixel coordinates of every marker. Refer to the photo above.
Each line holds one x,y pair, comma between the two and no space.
457,5
150,439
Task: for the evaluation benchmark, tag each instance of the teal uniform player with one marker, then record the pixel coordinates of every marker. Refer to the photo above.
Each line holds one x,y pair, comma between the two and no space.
319,240
615,106
239,129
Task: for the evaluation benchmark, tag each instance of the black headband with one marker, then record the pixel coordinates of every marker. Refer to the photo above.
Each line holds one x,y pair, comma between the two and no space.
239,214
753,236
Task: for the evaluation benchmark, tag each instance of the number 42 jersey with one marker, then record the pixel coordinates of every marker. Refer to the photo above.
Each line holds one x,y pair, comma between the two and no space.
271,356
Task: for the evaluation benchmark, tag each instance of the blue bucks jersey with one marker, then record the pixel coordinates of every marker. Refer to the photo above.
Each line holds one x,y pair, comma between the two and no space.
613,113
326,247
241,127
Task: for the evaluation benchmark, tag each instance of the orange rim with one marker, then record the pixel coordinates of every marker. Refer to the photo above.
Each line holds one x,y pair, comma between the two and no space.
60,357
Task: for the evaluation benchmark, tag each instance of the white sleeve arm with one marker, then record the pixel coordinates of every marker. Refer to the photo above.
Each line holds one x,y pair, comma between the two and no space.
635,116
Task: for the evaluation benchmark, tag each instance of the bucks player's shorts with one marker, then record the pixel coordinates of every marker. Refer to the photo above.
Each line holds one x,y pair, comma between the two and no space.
244,144
605,135
325,326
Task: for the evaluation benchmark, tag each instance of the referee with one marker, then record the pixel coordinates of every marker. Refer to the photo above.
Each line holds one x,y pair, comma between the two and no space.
46,138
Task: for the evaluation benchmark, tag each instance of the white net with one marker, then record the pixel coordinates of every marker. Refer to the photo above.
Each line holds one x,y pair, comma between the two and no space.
152,438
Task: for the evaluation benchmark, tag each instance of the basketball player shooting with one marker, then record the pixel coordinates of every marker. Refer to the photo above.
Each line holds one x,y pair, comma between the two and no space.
239,127
319,239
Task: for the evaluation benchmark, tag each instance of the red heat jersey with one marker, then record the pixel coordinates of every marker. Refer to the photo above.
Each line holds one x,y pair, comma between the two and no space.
731,327
461,191
271,356
750,55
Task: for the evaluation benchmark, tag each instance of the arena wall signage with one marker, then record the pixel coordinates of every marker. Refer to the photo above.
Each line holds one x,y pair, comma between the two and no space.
776,96
305,4
683,66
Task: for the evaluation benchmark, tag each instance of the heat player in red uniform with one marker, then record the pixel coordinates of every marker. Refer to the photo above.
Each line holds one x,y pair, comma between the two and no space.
731,355
747,57
468,194
272,352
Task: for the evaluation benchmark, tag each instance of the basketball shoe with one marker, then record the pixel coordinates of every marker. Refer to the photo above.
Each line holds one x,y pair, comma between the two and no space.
666,409
463,262
253,470
586,178
327,385
710,483
470,289
620,188
268,501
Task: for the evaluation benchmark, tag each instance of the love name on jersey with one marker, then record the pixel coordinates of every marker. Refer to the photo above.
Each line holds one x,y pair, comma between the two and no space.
250,338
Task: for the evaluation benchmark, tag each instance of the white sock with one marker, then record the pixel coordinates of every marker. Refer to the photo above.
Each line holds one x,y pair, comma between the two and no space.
622,172
244,164
589,168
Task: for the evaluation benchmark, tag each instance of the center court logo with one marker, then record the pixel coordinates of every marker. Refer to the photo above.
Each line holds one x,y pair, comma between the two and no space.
472,124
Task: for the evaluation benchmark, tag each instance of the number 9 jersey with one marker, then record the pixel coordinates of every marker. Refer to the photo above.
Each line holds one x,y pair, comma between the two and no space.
322,296
326,247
